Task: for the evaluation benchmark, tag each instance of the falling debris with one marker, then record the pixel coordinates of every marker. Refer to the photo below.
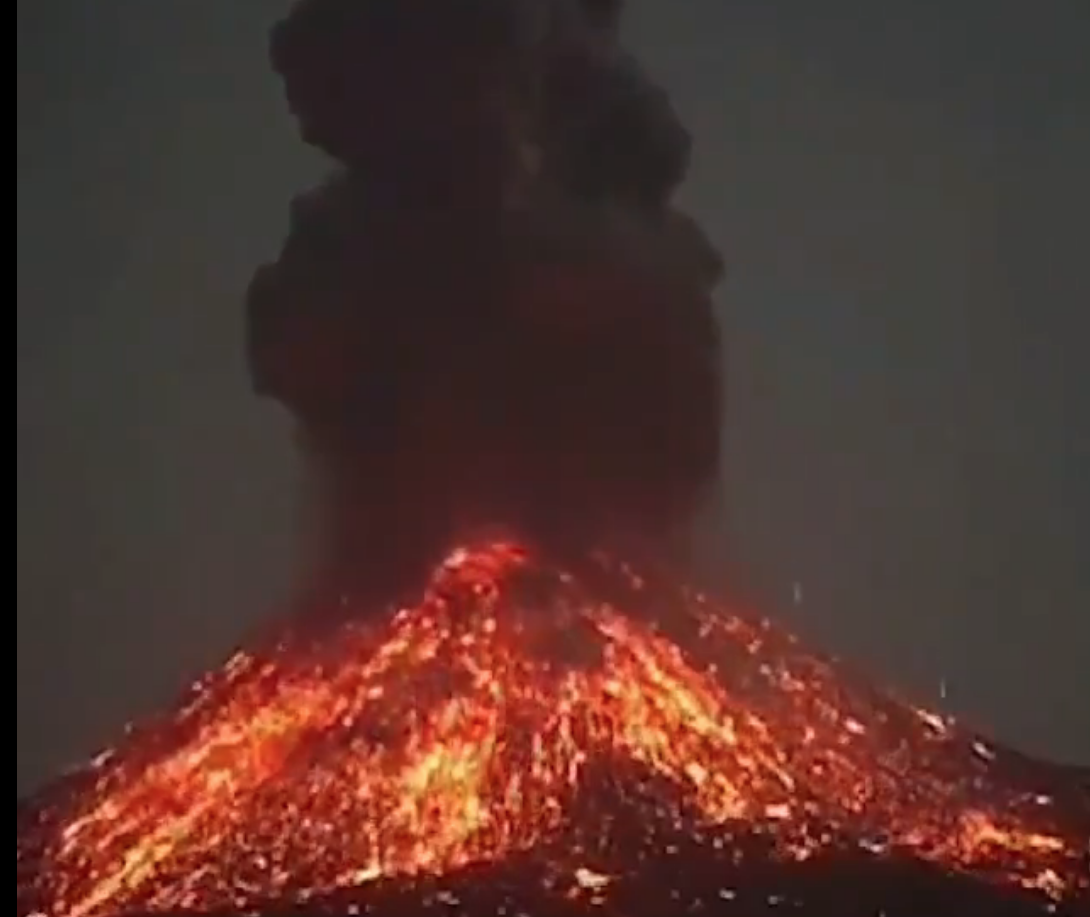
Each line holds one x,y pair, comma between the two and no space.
460,734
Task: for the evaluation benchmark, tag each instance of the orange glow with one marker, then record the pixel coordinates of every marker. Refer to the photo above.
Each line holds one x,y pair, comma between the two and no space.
469,727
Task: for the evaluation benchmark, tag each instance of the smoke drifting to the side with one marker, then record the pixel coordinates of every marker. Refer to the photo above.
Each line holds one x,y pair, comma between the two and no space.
491,311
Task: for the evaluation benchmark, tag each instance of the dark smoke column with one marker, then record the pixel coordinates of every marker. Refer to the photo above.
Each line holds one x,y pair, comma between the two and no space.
490,312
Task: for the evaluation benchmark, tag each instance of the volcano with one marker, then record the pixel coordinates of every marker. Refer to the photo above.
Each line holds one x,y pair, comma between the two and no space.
494,310
521,736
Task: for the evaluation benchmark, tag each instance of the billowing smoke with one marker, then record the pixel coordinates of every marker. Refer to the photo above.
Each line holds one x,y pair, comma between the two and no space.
490,312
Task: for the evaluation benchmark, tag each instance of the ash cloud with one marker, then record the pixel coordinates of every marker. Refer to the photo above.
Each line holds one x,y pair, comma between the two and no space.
491,310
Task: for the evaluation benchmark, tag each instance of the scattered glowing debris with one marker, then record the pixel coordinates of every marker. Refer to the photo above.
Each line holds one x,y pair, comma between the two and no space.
454,734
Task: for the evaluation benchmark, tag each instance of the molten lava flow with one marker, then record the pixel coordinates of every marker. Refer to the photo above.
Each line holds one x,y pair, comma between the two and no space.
475,725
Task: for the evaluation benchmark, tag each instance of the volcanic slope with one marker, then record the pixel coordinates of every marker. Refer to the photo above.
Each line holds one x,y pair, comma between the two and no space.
521,738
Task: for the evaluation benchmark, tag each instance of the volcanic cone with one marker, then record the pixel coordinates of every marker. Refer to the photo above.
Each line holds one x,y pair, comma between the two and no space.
523,738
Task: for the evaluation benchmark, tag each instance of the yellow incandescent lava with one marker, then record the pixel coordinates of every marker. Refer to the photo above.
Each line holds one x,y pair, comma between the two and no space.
469,726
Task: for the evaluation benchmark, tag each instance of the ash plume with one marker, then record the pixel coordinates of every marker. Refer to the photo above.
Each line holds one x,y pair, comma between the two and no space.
490,311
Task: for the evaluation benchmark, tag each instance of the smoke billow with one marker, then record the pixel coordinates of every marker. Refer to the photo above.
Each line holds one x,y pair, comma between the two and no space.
491,311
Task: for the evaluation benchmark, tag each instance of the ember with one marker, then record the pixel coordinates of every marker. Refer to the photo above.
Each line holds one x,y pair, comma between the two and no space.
466,731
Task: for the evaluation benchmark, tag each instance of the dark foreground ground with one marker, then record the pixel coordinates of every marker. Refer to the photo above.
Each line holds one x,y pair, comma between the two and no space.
673,886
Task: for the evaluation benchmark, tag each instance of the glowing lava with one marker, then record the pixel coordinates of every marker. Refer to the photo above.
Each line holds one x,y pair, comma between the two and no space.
478,722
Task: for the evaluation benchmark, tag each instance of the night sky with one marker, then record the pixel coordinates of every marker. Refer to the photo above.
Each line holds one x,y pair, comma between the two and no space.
901,190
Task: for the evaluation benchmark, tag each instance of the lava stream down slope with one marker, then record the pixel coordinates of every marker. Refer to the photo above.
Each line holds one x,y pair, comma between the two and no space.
517,710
